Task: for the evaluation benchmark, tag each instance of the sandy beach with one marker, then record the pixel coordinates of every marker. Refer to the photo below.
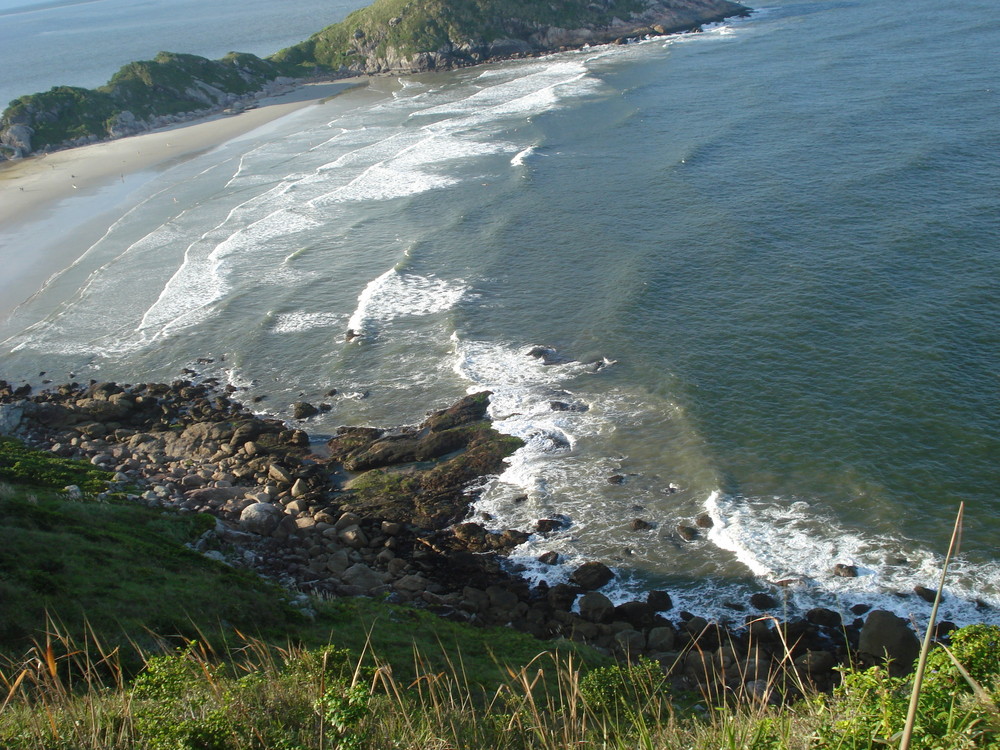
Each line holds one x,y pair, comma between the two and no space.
38,188
30,184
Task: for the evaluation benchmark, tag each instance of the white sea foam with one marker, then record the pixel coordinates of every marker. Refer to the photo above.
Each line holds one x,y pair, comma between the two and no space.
536,87
407,164
794,543
522,156
546,476
776,541
202,279
305,321
394,295
387,162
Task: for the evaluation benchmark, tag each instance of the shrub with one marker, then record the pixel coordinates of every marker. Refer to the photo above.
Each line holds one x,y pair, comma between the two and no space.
175,706
621,690
869,709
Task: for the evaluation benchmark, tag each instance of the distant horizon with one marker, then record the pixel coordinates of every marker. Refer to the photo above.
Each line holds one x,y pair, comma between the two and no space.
8,7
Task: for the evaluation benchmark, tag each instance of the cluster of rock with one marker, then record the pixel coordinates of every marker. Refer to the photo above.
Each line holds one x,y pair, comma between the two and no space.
398,527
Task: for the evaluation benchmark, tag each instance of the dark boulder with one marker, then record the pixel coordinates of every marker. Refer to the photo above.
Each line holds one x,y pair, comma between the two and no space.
470,533
762,600
704,521
659,601
470,409
886,637
845,571
592,575
349,440
562,595
816,663
596,607
510,538
687,533
825,617
548,525
638,614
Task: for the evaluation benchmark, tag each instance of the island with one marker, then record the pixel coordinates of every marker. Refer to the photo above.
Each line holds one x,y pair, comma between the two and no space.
387,37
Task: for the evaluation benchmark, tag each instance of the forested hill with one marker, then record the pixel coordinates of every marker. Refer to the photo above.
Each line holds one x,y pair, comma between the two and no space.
417,35
389,36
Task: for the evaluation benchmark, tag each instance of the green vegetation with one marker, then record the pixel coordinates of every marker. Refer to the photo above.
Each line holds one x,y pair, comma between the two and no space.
63,113
168,84
115,635
255,695
958,700
123,570
172,83
402,28
389,35
19,463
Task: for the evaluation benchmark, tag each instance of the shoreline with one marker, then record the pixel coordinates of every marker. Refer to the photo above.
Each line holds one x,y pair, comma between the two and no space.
32,183
340,526
35,191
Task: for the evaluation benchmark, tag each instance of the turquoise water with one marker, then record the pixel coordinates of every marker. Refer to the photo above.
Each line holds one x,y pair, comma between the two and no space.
765,258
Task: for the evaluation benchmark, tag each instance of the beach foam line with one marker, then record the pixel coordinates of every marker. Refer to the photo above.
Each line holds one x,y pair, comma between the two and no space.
394,294
794,544
44,187
37,182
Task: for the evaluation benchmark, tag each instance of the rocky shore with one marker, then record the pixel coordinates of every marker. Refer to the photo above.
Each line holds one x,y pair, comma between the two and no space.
383,513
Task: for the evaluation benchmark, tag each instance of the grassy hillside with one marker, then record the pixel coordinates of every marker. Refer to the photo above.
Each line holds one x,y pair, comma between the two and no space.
122,570
114,634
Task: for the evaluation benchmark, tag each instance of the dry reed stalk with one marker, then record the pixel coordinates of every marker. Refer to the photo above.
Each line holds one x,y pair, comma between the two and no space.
918,677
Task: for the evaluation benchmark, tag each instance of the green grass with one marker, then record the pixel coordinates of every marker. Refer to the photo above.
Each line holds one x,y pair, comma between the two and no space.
122,567
122,570
94,594
24,465
257,695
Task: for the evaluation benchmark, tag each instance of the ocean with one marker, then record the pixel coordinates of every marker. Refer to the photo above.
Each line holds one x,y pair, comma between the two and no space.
748,274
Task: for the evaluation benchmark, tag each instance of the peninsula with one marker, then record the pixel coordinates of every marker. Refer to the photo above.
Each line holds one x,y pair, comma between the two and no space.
389,36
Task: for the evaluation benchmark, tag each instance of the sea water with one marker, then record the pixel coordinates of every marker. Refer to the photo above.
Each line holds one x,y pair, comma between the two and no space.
748,274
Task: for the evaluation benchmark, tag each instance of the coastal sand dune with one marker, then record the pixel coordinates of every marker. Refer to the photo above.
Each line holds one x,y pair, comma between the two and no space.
40,187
